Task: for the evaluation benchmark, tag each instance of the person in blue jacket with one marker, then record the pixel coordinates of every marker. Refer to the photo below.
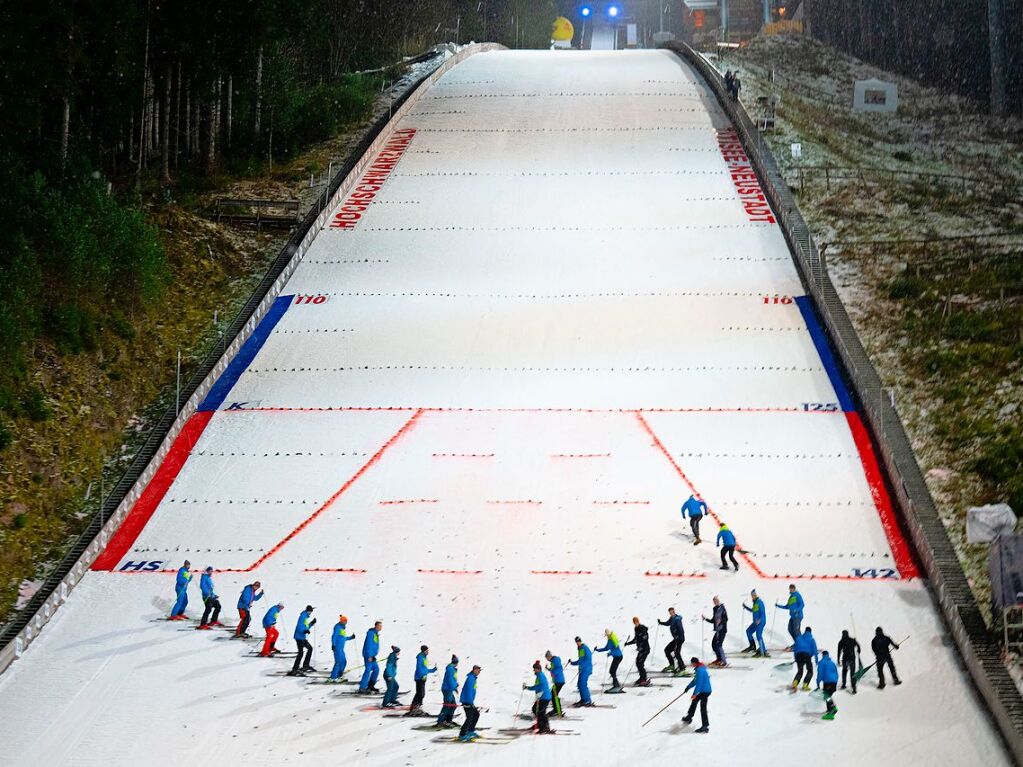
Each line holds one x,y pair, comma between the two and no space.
726,540
270,627
613,647
543,699
448,688
468,701
701,691
827,676
804,649
211,615
794,605
585,664
422,671
338,639
305,624
391,679
759,613
557,670
370,653
695,508
181,582
251,593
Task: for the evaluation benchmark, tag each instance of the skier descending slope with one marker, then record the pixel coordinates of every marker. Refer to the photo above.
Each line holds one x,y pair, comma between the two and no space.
270,627
614,648
468,701
338,639
726,540
827,676
881,645
543,698
696,508
181,582
422,670
585,664
849,658
305,624
804,649
370,650
391,679
557,670
251,593
759,613
448,688
795,606
673,650
210,615
719,620
701,692
640,638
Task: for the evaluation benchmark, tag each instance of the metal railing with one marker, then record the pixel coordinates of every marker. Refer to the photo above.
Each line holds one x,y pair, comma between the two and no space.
25,626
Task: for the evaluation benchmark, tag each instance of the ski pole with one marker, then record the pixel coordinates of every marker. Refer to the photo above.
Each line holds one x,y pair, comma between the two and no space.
774,620
703,640
648,721
519,706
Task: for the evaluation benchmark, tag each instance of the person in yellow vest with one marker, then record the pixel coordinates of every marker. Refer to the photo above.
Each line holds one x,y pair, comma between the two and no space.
613,647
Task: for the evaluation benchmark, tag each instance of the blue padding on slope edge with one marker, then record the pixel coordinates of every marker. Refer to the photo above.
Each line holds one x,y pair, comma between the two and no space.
246,354
820,340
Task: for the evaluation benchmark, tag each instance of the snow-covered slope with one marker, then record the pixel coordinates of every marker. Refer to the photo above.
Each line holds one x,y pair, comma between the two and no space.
473,414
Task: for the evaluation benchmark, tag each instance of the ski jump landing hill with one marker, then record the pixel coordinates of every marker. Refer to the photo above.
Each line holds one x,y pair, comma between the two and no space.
550,307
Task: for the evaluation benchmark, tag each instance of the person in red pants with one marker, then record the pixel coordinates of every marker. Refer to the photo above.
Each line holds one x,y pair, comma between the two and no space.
270,626
251,593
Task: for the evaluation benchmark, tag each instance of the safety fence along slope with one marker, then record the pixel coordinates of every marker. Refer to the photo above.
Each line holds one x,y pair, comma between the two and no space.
916,506
27,623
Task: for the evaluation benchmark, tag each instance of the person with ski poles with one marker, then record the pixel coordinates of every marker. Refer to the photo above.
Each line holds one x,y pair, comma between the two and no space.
726,540
585,664
211,615
270,627
881,645
305,624
759,613
640,638
468,701
557,670
251,593
612,647
719,621
422,671
794,606
849,658
804,649
181,581
391,679
696,508
338,639
827,676
673,650
370,653
543,699
448,688
700,685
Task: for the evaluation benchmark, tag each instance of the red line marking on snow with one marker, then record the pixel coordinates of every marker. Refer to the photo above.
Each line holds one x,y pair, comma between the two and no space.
154,493
526,502
408,500
409,424
659,574
448,572
333,570
463,455
889,523
811,577
561,572
409,409
621,503
678,470
581,455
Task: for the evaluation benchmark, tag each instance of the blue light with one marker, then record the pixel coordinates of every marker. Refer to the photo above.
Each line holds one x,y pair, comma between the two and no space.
612,11
585,11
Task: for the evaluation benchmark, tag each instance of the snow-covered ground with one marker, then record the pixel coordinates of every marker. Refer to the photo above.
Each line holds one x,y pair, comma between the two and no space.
554,320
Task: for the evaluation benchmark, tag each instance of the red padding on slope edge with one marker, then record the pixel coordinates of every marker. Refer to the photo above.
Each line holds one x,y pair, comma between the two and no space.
151,497
900,548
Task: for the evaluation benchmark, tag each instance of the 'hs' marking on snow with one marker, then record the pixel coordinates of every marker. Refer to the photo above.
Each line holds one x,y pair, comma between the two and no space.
743,177
372,180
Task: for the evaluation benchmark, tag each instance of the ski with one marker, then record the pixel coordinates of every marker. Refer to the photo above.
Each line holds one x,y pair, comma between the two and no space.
596,705
530,731
330,681
439,727
482,740
407,715
367,693
620,691
563,718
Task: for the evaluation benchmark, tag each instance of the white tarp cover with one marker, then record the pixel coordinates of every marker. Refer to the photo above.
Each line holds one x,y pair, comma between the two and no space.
985,523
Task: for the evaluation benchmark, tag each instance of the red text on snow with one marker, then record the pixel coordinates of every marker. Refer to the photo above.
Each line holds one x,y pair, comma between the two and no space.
372,180
743,177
